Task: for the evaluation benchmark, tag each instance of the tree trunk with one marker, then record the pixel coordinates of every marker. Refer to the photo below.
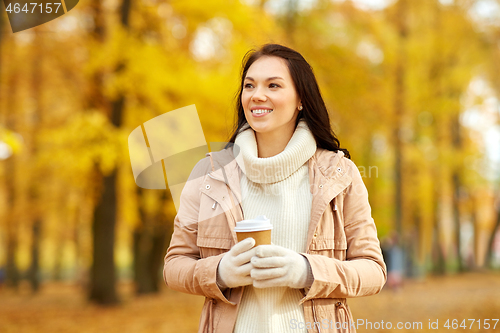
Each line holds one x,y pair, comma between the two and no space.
34,123
456,220
399,98
489,254
102,272
59,248
161,239
142,282
34,269
103,277
456,141
438,258
150,243
142,247
12,272
290,20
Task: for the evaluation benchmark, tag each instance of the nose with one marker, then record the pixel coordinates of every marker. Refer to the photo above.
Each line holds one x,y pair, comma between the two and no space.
259,95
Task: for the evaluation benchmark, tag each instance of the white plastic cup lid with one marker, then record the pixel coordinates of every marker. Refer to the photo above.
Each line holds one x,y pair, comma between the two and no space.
259,223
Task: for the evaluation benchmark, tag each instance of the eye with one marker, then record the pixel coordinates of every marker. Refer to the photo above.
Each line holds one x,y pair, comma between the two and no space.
248,85
274,85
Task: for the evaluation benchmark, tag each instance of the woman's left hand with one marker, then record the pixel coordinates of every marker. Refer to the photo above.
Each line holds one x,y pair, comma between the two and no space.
276,266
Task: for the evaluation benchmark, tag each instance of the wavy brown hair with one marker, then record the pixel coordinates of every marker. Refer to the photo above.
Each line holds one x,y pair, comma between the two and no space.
314,110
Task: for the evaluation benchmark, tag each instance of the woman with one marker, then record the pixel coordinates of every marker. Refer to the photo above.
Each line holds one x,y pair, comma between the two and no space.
286,163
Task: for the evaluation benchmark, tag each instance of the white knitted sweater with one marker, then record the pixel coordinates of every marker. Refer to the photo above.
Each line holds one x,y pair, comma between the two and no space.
277,187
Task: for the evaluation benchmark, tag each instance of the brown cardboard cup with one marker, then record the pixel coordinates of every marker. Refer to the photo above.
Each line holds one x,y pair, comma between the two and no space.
262,237
258,228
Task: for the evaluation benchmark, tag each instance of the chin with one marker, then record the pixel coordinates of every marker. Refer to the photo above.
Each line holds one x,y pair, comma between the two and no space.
259,128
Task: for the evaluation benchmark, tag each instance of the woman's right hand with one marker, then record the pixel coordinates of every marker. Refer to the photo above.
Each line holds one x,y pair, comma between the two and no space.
234,267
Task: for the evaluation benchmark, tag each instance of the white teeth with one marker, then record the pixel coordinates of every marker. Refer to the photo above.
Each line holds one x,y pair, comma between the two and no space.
259,111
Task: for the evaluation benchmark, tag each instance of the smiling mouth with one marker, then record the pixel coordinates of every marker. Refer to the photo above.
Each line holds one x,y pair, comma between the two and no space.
259,111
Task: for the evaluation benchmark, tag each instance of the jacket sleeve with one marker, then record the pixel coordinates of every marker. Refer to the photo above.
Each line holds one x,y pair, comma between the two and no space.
363,272
184,270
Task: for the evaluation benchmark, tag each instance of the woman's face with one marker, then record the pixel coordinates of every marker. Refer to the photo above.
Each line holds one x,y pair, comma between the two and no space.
269,98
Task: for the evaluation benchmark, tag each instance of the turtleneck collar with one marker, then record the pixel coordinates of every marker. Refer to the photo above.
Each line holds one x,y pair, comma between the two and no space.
298,151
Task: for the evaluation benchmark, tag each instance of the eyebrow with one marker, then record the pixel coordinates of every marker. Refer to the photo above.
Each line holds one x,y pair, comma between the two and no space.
268,79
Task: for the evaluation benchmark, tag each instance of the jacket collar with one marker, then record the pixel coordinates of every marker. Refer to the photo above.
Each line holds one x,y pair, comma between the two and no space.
328,177
325,168
299,149
226,169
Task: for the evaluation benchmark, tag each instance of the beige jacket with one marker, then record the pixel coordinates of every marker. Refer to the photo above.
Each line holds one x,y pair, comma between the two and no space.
342,245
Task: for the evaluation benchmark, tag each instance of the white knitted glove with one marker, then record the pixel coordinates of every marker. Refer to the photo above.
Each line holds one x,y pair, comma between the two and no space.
276,266
234,267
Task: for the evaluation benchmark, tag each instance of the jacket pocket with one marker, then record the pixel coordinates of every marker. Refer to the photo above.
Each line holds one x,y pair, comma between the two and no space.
214,236
210,246
214,243
330,247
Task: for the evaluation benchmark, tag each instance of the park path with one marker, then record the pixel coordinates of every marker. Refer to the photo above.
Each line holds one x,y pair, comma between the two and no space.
62,307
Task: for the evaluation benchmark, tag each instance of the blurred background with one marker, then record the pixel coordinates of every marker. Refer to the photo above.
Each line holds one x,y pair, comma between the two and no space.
413,91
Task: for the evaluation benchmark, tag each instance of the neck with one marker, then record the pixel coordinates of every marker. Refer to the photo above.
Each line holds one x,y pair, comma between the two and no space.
272,159
271,144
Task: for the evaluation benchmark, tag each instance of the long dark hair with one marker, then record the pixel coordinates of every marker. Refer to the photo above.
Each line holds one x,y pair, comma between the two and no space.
314,110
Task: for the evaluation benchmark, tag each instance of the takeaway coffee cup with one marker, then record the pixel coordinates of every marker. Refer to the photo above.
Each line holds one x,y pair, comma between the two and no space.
258,228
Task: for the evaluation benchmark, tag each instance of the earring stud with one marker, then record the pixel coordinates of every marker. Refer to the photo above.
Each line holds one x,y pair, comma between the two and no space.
300,107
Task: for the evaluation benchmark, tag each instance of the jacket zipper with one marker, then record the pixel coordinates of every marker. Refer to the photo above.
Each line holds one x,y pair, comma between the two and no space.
314,318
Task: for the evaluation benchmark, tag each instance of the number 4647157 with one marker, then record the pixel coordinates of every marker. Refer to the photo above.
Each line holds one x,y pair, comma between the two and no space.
16,8
486,324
